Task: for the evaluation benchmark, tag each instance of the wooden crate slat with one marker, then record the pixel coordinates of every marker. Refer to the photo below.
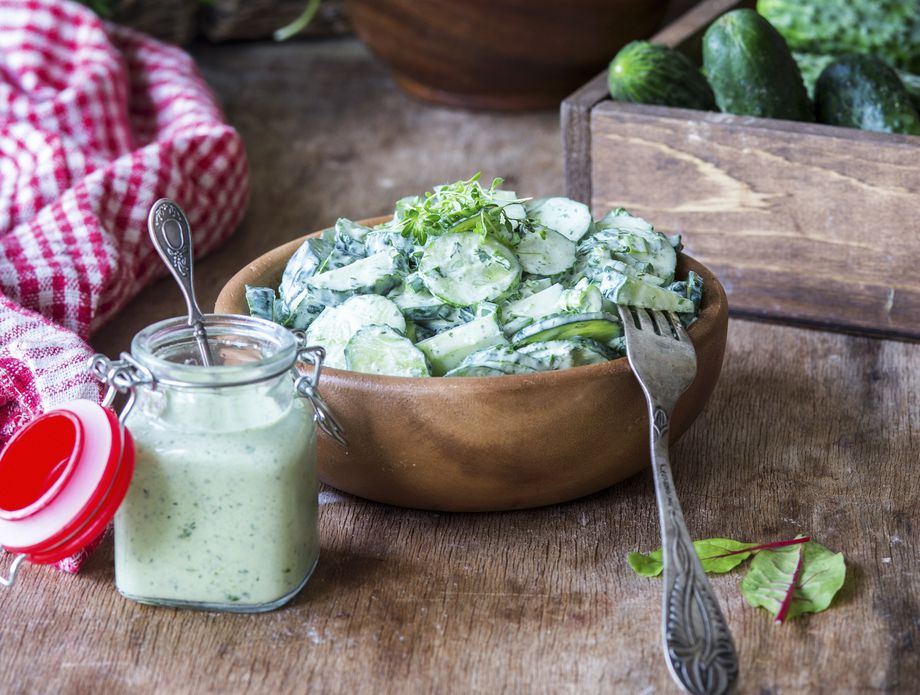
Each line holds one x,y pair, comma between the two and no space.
800,221
804,223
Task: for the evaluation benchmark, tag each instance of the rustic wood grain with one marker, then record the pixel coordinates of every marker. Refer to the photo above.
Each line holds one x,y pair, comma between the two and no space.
815,224
806,433
805,223
683,21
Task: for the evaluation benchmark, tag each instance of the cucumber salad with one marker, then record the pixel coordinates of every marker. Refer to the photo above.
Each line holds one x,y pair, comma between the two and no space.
470,280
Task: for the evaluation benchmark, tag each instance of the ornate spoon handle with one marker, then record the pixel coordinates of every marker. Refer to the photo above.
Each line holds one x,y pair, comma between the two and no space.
171,235
697,642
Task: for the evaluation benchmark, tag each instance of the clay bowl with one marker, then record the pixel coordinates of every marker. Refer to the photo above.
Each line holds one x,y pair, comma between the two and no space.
493,443
499,54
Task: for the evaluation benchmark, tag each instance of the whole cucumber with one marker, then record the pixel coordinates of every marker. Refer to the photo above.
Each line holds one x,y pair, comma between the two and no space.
751,70
863,91
647,73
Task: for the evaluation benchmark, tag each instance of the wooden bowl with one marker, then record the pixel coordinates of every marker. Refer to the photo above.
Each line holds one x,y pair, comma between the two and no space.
499,54
493,443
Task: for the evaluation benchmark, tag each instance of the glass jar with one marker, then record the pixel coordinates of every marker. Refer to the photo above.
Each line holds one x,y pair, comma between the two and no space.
221,513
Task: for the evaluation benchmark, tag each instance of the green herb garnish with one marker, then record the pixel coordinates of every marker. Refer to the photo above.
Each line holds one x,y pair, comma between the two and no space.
464,206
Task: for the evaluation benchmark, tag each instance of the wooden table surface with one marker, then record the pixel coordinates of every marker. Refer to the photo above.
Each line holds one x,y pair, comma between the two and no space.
807,432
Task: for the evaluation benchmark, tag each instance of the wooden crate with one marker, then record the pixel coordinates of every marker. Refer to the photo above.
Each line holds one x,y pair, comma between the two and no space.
803,223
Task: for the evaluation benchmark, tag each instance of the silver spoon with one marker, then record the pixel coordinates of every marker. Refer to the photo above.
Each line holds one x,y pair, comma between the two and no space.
171,235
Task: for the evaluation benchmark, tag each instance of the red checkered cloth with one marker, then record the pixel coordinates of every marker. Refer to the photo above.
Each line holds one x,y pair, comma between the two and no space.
96,123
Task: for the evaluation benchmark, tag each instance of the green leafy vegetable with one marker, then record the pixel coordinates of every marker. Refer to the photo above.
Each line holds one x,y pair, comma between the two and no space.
464,206
889,29
794,580
788,578
717,555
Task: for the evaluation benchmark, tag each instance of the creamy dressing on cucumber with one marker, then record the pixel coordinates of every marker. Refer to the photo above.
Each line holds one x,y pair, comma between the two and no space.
222,508
469,275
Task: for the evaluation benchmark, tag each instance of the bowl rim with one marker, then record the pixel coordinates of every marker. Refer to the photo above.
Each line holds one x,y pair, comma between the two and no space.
713,304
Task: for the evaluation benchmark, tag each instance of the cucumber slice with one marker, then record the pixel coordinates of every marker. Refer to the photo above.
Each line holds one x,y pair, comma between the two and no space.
626,289
660,255
261,302
446,350
381,350
563,354
514,325
303,265
514,212
537,305
599,326
584,298
376,274
335,326
347,248
303,311
381,239
545,252
476,370
465,268
345,227
500,360
568,217
530,285
418,304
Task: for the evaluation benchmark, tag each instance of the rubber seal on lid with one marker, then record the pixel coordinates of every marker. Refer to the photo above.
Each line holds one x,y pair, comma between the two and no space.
37,462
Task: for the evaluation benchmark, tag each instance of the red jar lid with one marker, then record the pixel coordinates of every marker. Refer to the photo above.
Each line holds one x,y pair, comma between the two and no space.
62,477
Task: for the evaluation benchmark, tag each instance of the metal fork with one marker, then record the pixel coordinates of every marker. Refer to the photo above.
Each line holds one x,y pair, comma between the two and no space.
697,642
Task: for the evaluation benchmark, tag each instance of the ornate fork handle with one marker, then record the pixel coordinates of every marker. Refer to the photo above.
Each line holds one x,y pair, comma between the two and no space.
697,642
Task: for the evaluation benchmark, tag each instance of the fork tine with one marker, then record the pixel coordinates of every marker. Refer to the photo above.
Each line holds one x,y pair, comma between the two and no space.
661,321
646,322
679,329
626,318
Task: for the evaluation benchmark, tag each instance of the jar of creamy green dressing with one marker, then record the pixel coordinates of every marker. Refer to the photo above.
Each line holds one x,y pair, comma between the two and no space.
221,513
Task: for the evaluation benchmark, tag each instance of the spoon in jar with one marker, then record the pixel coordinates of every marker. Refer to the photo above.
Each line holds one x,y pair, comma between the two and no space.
172,238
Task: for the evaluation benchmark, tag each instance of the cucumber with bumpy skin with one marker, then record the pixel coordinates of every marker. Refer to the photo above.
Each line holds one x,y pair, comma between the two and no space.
751,69
648,73
381,350
465,268
862,91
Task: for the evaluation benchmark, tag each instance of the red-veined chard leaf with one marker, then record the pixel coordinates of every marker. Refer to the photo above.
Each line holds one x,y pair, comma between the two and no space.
794,580
717,555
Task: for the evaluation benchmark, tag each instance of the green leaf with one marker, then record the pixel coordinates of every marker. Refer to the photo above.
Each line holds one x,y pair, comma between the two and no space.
810,576
646,565
717,555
